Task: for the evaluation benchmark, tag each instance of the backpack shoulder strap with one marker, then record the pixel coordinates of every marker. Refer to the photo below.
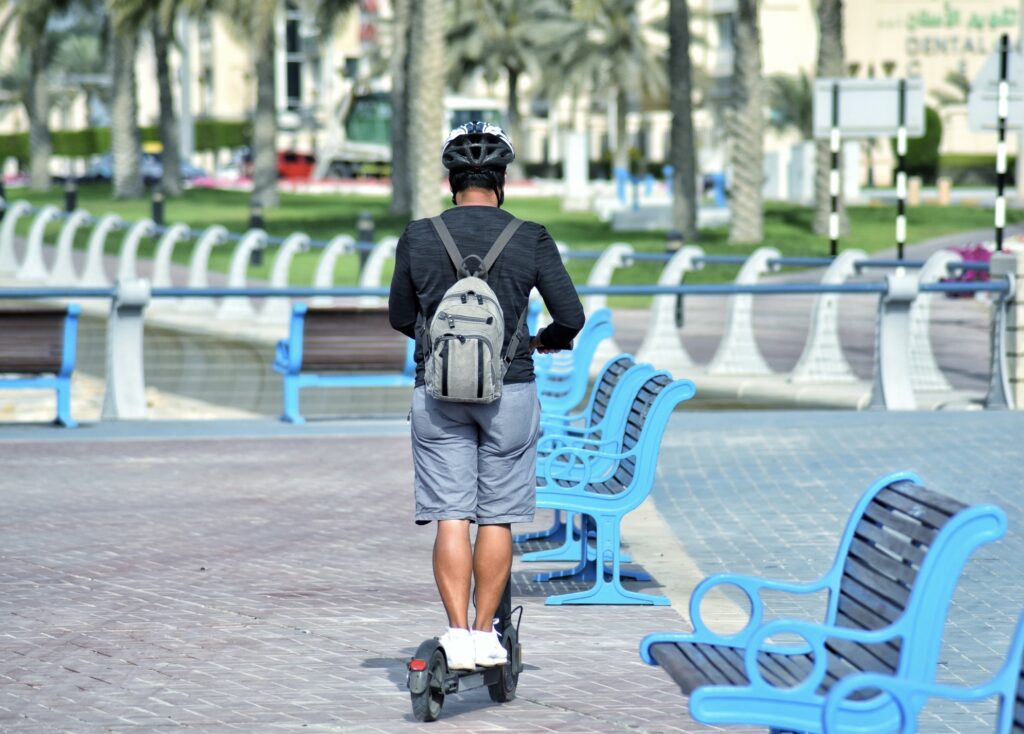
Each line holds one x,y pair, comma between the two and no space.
449,245
499,244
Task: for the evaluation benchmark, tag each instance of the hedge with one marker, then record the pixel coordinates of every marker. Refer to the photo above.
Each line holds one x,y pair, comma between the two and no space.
209,135
975,169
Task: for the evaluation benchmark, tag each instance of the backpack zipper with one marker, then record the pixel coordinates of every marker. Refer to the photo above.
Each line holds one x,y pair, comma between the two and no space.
452,318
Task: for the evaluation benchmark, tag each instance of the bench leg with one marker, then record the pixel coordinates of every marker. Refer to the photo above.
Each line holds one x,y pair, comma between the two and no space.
610,591
586,569
569,550
64,404
555,533
291,401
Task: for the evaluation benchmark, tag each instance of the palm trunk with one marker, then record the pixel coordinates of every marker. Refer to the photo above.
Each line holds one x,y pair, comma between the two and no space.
264,128
515,123
401,203
621,136
169,140
830,64
683,155
37,105
124,127
426,87
747,129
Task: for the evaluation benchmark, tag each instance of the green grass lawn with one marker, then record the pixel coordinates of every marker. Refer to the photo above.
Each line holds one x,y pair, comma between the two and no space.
787,227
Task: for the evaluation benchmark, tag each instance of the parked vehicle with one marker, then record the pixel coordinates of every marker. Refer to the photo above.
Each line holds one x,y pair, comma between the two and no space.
361,144
101,168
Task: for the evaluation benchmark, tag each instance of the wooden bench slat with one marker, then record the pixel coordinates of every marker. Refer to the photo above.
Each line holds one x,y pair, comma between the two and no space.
876,582
882,562
727,662
914,510
943,503
896,544
32,340
869,598
796,667
867,612
866,658
886,517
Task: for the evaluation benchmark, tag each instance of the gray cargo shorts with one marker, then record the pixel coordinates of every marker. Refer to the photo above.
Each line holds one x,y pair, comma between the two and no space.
476,462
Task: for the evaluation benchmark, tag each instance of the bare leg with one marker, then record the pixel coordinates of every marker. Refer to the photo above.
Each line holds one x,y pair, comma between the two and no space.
453,565
492,563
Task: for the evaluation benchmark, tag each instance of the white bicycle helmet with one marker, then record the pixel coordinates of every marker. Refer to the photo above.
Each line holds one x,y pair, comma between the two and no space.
477,145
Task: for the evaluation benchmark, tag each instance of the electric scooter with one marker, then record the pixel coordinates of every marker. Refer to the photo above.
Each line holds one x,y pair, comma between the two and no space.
430,680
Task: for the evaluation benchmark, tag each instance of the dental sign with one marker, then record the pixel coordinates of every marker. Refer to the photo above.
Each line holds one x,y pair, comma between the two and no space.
953,28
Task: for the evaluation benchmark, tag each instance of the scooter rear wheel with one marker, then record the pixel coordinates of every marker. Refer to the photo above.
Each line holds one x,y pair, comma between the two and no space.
426,706
505,689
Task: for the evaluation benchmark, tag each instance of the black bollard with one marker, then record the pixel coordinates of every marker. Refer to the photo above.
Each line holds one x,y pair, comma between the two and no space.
157,205
70,194
3,197
364,237
673,242
256,222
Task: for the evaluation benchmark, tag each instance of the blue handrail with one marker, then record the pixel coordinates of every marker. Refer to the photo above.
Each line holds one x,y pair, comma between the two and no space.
698,289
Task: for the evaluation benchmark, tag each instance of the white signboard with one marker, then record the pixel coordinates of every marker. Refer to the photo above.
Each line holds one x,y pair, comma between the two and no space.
868,108
982,102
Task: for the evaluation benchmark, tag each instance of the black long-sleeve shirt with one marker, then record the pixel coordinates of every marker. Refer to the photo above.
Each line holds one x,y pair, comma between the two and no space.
423,272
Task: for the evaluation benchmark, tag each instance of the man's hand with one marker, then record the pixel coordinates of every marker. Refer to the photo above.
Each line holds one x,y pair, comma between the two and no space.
535,345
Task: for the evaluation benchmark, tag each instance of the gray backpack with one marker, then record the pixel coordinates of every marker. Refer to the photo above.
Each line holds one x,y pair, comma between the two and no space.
462,357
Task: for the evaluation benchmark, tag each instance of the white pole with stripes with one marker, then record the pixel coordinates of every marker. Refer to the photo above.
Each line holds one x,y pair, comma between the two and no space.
901,171
833,179
1003,110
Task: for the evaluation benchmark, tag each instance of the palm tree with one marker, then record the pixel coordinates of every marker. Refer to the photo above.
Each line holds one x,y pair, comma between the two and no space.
682,153
746,123
509,37
124,125
82,59
161,26
791,100
831,63
426,90
401,26
960,85
610,51
30,19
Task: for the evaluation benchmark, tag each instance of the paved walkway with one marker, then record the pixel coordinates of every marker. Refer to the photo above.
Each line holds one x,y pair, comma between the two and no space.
250,576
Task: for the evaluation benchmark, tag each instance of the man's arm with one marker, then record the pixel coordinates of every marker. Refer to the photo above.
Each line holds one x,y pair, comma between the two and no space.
402,308
559,296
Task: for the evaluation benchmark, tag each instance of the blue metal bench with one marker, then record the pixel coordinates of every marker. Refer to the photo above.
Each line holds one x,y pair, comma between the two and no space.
562,378
909,696
611,400
554,425
341,347
604,500
41,343
888,592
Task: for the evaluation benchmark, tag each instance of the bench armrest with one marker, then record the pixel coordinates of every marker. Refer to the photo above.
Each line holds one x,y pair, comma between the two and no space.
70,352
288,358
816,635
908,696
751,586
574,464
553,442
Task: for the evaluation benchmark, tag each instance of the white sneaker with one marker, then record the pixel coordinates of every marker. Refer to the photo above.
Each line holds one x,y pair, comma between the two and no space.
490,652
459,649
